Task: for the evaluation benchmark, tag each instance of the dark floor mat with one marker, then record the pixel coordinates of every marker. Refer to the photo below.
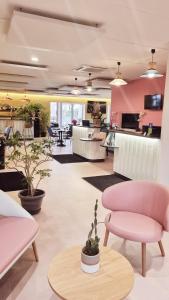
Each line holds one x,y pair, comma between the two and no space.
69,158
12,181
104,181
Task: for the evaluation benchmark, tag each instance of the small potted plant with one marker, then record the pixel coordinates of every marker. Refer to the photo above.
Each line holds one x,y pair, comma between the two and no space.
29,158
90,253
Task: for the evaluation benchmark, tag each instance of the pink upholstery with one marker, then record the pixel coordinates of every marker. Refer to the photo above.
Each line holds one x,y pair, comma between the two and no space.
141,197
15,234
145,229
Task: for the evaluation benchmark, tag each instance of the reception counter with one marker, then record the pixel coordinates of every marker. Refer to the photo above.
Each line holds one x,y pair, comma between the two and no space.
137,157
84,145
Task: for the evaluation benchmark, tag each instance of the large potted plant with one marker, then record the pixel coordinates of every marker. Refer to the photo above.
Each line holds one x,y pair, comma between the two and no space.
90,254
44,122
29,113
29,157
96,115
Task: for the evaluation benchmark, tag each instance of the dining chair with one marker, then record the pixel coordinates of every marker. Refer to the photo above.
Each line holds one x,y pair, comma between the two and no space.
139,211
53,135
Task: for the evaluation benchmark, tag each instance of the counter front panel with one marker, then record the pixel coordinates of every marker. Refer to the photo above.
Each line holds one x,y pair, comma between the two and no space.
85,147
137,157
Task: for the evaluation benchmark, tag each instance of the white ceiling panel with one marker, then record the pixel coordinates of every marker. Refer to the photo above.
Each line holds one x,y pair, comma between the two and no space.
129,29
37,31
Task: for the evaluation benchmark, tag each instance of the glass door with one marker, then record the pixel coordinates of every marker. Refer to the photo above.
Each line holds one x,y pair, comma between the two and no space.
66,114
54,112
78,112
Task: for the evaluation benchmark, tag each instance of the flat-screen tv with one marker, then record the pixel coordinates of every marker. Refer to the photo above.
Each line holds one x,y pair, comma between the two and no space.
154,102
85,123
130,121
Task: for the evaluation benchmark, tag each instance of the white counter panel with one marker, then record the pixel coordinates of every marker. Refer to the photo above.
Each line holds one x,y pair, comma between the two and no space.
17,125
137,157
89,149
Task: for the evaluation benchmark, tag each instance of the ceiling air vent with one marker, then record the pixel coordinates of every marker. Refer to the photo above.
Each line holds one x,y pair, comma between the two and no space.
12,82
23,65
101,83
36,91
89,69
15,75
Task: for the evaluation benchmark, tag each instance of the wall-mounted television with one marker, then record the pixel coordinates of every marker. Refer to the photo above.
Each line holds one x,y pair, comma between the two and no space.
130,121
154,102
90,106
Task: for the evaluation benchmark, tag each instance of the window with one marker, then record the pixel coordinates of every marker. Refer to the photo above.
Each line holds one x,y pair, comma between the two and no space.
78,112
54,112
64,113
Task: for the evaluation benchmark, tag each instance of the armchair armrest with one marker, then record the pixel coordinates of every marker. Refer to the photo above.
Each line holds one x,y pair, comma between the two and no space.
10,208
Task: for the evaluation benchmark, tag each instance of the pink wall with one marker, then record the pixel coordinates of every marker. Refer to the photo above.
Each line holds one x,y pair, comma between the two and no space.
130,99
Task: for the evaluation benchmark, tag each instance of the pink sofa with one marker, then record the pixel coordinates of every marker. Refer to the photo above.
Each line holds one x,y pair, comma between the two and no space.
139,212
18,231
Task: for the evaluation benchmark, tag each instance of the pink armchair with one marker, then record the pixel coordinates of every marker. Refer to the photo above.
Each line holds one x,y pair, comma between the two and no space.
18,231
139,212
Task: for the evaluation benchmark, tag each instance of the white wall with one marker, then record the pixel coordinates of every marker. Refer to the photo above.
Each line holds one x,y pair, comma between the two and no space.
163,176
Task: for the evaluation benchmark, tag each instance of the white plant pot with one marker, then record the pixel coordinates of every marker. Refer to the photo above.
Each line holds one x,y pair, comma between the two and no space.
90,264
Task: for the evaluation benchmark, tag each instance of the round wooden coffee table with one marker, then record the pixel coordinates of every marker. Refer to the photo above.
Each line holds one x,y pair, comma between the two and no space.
113,281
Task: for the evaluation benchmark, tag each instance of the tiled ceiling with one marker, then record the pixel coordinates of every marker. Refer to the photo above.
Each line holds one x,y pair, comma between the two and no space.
66,34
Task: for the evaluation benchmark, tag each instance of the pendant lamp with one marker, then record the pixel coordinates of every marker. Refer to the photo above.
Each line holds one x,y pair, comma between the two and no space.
151,71
75,90
118,80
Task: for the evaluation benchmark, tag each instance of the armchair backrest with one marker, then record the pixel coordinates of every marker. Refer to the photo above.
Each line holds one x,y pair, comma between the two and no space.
143,197
10,208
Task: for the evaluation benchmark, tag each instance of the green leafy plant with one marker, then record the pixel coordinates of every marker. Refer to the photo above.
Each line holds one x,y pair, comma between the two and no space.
29,158
29,112
92,244
44,122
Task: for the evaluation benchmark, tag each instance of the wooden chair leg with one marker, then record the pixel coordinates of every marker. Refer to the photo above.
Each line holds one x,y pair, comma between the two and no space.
106,238
143,248
161,248
35,251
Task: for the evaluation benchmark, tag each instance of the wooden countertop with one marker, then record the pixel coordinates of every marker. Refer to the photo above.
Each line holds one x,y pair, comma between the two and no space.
91,140
135,133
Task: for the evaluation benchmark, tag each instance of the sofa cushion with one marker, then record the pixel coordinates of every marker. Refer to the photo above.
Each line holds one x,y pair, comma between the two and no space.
15,234
134,227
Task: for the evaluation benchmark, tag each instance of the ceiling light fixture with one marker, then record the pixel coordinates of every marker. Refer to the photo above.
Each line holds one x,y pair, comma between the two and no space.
89,87
152,68
34,58
118,80
75,90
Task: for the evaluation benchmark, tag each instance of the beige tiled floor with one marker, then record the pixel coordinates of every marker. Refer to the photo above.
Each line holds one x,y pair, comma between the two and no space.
64,221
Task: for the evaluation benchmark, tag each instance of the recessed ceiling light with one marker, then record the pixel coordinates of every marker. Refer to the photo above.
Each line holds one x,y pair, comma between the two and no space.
34,58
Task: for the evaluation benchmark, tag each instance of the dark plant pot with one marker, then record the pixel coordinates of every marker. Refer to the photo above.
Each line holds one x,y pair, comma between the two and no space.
43,133
31,203
90,264
96,122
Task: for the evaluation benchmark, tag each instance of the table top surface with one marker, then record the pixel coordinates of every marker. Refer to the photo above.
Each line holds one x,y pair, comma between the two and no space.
113,281
91,139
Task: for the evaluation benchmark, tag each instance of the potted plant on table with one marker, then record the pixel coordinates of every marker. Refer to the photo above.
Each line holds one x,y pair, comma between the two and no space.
29,158
90,253
96,115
